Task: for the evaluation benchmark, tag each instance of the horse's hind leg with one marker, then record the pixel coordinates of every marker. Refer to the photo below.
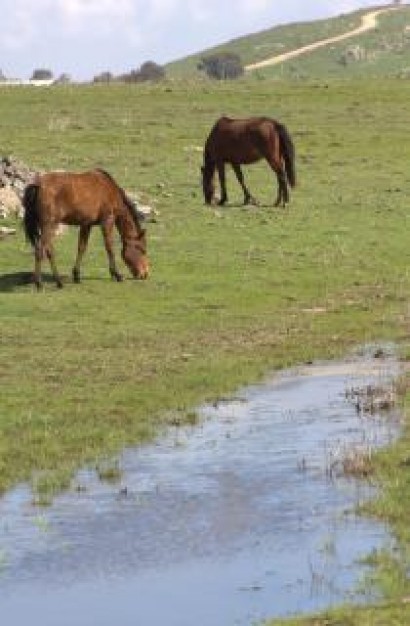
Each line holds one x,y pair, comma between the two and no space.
83,237
248,198
38,255
51,257
283,193
107,230
48,248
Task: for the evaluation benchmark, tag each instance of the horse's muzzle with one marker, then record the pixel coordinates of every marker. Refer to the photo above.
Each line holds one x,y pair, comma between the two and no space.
137,262
141,272
141,275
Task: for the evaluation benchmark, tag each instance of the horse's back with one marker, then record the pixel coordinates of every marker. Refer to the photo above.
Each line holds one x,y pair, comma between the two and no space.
58,180
241,140
76,198
241,124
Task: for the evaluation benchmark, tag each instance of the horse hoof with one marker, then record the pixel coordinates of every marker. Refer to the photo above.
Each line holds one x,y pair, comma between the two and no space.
76,275
251,201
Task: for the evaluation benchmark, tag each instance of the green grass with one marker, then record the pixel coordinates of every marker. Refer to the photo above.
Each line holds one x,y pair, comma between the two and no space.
94,367
234,292
269,42
389,571
386,50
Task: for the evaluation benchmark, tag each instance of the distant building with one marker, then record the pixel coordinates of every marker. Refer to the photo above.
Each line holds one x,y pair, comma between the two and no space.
11,82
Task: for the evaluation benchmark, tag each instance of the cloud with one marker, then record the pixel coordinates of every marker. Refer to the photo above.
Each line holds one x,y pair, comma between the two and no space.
80,36
27,20
18,27
251,7
84,9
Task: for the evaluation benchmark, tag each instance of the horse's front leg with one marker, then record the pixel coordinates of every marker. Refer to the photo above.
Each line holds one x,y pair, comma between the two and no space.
83,237
107,228
222,183
248,198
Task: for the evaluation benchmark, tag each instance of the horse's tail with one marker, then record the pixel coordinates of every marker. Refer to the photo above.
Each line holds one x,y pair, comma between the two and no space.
287,149
31,218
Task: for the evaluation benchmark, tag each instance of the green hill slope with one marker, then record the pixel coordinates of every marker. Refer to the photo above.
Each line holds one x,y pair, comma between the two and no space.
379,52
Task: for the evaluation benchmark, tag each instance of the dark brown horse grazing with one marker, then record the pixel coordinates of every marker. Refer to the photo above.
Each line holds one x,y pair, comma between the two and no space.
83,199
244,141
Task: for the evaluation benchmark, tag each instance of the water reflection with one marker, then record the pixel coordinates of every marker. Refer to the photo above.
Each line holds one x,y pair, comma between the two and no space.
228,522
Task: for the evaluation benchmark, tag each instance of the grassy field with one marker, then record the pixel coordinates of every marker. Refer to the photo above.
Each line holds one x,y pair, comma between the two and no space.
234,292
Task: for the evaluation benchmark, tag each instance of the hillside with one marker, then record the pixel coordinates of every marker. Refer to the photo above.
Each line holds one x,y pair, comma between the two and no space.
380,52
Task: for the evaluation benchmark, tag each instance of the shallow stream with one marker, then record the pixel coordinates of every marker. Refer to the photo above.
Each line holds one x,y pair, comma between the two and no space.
242,517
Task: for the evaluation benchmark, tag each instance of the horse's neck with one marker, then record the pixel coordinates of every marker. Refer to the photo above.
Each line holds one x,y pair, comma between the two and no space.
126,226
209,164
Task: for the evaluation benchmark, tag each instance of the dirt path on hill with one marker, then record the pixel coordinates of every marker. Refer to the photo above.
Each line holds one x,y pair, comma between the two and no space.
369,21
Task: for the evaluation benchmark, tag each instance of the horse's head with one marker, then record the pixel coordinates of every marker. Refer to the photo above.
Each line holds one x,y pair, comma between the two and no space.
134,253
208,186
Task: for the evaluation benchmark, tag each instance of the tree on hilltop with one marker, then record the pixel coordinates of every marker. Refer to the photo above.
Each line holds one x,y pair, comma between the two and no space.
42,74
104,77
222,66
148,71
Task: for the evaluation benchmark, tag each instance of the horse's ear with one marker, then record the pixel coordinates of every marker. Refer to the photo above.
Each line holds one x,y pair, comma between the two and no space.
142,233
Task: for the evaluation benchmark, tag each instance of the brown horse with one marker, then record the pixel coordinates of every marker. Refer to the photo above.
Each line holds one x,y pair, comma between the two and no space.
83,199
244,141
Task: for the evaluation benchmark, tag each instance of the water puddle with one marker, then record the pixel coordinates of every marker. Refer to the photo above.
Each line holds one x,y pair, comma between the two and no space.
241,518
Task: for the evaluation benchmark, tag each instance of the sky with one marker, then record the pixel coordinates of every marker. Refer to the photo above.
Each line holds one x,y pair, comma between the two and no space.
83,38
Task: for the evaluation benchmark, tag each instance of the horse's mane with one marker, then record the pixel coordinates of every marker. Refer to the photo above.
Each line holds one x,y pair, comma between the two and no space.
130,204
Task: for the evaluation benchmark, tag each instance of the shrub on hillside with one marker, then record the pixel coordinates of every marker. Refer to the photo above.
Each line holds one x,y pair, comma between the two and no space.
104,77
42,74
222,66
148,71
